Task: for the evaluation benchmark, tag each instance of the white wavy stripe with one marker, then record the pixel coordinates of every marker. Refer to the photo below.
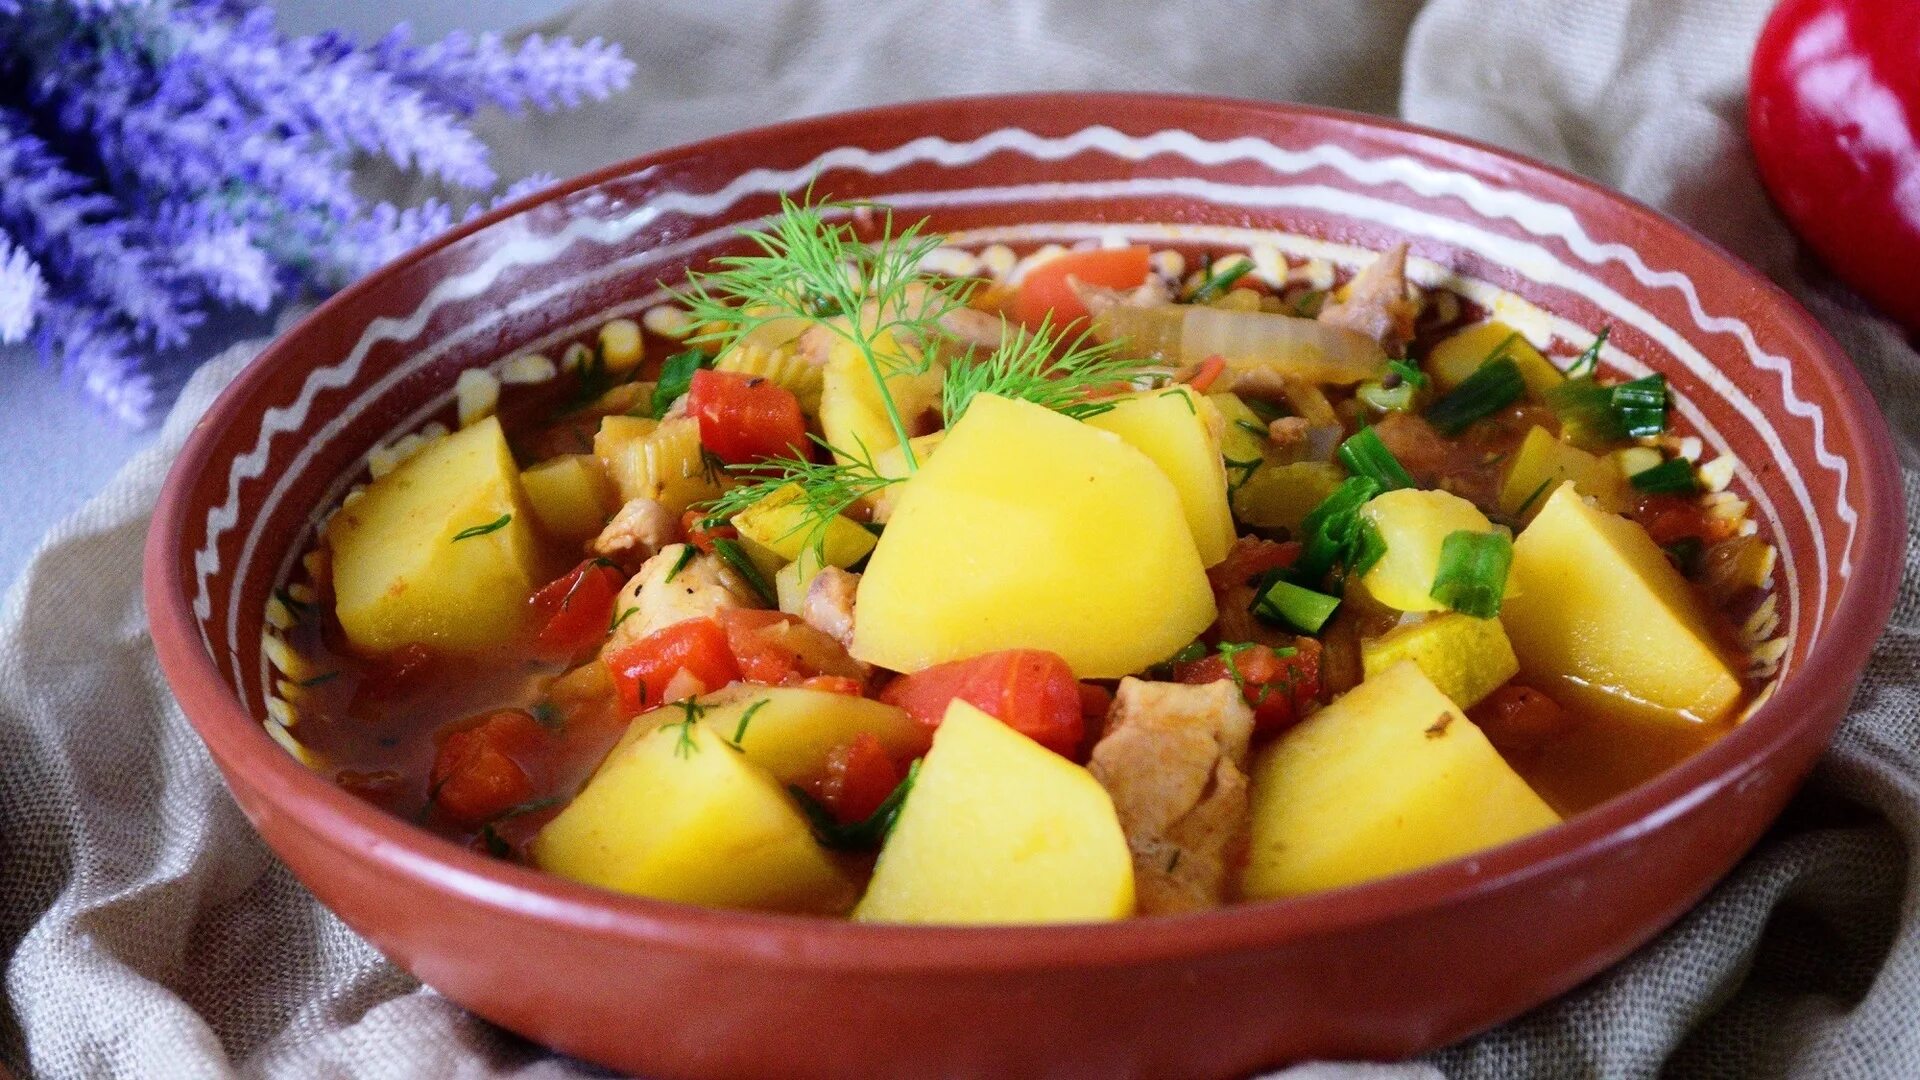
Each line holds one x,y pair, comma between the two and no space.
1529,213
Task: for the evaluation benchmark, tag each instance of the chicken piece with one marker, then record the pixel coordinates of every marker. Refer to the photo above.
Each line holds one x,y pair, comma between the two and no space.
1377,303
1288,433
636,533
975,328
828,605
665,592
1173,759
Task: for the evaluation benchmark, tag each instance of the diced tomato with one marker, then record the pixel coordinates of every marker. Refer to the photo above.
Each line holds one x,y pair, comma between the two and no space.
1032,691
744,419
700,535
577,608
777,649
1209,370
479,768
1517,718
860,776
643,671
1250,557
1095,700
1045,290
1278,687
834,684
1668,518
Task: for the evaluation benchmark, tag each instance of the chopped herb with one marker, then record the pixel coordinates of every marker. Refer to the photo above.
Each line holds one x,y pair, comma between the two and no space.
827,490
1588,362
1521,512
1409,373
1365,455
735,556
684,746
1308,304
1384,398
531,806
746,718
1040,365
687,552
1218,281
1332,529
1194,651
1185,397
1174,861
1367,549
1641,406
1245,467
481,530
1686,554
1266,410
1493,386
1596,415
676,377
620,618
1673,476
593,378
859,835
1472,577
1283,602
491,840
296,608
1250,427
317,680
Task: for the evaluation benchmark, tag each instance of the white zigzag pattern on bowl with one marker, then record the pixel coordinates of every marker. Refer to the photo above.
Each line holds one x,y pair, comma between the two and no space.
1533,215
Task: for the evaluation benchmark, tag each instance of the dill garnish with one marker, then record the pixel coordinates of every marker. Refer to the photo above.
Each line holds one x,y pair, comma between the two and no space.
826,490
1039,366
746,718
687,552
481,530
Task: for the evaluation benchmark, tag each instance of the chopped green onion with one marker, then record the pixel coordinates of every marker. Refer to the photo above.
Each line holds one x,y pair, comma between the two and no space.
1495,385
1686,554
481,530
1218,282
1365,455
1473,572
735,556
1588,362
1641,406
1367,548
1595,415
1332,528
1290,605
1377,396
1409,373
1673,476
676,377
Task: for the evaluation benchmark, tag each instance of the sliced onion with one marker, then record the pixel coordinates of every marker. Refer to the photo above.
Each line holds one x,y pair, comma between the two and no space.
1149,333
1299,349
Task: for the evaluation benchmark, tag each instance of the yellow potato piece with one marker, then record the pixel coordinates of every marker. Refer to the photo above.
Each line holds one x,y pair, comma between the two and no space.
571,496
1414,525
1243,435
1389,778
999,829
1467,658
399,575
1032,530
1281,495
1601,620
853,414
1460,355
1543,463
789,730
1167,426
777,528
678,814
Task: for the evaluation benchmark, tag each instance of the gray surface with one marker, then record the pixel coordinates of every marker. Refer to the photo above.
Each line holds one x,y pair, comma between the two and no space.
59,451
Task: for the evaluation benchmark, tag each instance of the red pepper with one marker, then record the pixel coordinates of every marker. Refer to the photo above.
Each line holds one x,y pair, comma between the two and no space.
859,778
744,419
1032,691
479,766
577,608
1834,118
1045,290
643,671
1278,687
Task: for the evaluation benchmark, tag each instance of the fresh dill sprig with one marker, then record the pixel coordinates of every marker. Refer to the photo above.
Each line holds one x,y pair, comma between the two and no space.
1037,365
871,295
827,490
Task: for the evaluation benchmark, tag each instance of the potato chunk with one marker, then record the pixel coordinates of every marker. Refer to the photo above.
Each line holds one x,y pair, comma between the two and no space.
678,814
1543,463
410,564
775,530
1415,524
1169,427
571,496
789,730
1388,778
1032,530
853,414
1467,658
999,829
1460,355
1601,620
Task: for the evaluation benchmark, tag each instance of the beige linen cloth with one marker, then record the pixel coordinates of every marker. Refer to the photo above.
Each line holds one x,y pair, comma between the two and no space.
147,933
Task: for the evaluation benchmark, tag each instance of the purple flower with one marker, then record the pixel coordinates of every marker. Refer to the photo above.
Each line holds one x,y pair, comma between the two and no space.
21,287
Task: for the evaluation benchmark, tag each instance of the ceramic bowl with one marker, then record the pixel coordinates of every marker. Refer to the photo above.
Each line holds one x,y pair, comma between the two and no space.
1381,970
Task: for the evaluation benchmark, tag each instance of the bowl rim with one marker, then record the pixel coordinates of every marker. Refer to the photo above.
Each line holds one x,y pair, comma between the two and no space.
359,831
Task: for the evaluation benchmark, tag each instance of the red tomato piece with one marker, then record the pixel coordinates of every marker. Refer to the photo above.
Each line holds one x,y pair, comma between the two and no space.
1095,700
1045,289
1278,687
1032,691
744,419
576,608
778,649
860,776
702,536
1249,558
1668,518
643,671
479,767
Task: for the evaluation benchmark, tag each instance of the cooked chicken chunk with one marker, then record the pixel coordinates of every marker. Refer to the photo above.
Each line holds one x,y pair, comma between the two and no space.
1173,758
828,605
665,592
636,533
1377,303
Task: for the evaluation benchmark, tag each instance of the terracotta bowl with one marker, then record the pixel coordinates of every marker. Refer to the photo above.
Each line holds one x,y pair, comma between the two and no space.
1381,970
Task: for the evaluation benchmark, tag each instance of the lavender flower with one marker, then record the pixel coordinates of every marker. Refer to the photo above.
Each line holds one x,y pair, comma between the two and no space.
169,158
